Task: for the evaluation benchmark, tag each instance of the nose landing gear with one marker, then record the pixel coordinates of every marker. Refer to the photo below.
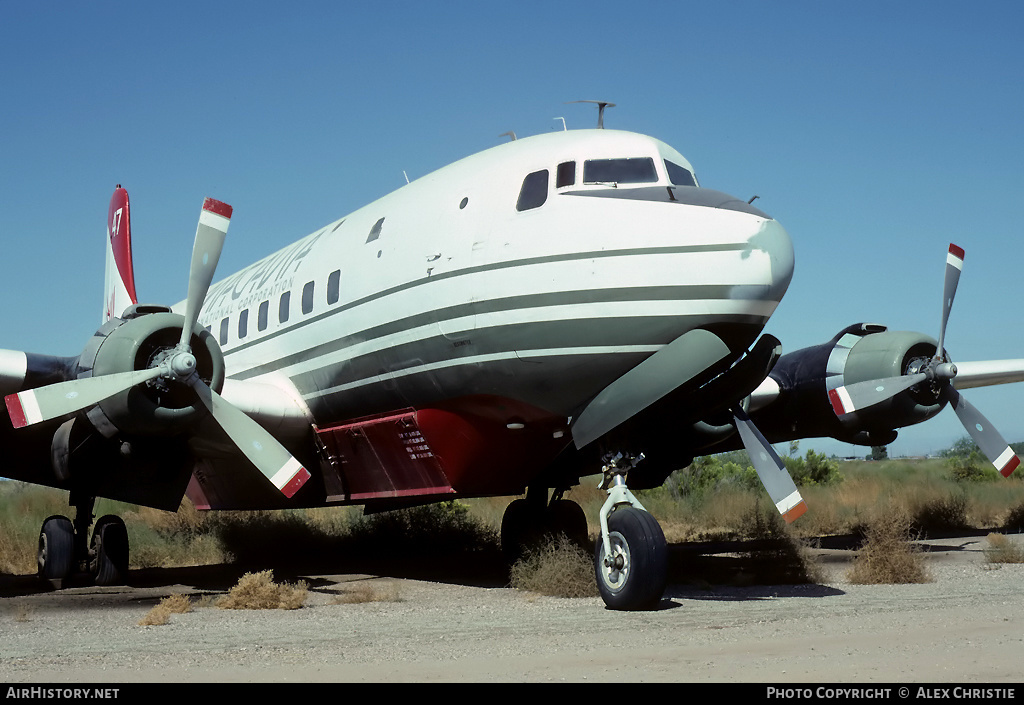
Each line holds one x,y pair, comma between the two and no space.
630,557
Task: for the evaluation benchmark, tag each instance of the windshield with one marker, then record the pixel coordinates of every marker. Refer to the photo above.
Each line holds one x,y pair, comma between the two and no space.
639,170
679,175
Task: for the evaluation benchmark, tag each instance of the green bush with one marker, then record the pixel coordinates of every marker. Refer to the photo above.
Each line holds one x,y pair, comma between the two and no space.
813,469
715,472
967,464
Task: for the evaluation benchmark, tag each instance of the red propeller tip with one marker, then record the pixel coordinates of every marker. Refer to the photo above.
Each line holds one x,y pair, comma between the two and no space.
796,512
955,256
16,411
841,402
214,206
295,483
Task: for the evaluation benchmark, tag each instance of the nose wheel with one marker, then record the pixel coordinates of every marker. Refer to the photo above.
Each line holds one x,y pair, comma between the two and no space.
631,555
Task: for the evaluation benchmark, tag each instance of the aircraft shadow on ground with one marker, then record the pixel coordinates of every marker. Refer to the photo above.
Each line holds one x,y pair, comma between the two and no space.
703,571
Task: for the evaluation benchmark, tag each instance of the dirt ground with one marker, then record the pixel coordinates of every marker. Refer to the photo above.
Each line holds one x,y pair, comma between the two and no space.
462,624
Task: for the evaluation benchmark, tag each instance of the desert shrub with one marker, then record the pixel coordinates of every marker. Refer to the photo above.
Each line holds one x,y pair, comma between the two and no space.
258,591
948,513
444,526
786,559
558,569
1015,519
888,556
161,613
1002,550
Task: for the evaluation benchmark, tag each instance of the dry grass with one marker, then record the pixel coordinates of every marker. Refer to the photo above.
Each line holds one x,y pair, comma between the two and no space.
888,556
1003,550
258,591
364,593
558,569
174,604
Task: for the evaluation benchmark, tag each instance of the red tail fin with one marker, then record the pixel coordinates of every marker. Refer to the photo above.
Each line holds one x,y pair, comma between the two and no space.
119,291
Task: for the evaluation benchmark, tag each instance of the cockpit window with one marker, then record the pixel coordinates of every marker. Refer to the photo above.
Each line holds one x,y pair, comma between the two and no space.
679,175
534,191
566,175
639,170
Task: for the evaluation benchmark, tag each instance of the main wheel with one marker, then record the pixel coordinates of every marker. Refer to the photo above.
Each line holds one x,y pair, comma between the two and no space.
56,553
521,528
634,576
567,517
108,553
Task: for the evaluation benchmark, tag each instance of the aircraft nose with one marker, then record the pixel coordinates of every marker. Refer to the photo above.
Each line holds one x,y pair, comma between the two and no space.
773,239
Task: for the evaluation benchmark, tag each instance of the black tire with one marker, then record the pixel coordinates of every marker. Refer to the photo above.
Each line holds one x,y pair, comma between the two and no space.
521,527
56,553
568,518
108,552
637,580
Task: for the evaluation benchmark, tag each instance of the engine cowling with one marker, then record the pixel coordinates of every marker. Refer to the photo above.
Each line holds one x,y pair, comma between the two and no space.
136,342
859,353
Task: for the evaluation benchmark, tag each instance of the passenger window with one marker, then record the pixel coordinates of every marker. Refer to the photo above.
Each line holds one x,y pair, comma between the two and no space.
224,323
263,315
307,297
620,171
334,287
679,175
534,191
284,306
375,231
566,175
243,324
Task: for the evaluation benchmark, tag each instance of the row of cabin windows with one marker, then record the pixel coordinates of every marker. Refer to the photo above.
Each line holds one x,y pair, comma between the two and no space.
638,170
283,308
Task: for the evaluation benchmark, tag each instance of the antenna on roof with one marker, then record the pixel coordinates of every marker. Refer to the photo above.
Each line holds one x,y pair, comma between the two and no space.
510,133
601,105
564,128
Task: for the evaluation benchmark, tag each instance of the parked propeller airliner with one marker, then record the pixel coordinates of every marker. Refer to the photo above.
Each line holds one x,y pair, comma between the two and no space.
548,309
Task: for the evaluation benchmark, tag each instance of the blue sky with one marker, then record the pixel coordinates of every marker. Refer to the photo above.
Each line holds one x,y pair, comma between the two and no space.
875,132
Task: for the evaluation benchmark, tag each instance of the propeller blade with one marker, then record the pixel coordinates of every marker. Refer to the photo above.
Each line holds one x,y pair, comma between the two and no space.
36,405
989,440
954,265
263,450
214,219
853,397
770,468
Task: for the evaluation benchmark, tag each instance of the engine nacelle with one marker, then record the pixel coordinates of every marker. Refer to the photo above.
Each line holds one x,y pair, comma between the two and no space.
136,342
859,353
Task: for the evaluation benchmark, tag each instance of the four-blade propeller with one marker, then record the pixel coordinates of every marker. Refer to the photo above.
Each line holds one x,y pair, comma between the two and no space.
176,364
940,372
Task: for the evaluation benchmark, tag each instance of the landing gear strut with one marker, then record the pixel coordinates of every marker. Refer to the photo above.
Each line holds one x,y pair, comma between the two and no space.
630,557
64,550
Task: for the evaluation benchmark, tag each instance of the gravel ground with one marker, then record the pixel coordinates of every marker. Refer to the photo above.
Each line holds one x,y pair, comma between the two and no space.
966,626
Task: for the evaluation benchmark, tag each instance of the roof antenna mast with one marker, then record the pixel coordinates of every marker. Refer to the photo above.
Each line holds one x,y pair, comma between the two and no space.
601,105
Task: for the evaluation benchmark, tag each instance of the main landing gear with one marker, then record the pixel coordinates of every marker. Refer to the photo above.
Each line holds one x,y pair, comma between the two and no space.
630,558
64,551
529,521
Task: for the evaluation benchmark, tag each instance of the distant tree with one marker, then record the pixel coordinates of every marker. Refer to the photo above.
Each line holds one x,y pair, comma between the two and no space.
879,453
963,448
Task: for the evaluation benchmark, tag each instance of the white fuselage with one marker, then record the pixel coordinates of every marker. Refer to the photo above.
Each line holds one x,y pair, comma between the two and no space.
467,282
